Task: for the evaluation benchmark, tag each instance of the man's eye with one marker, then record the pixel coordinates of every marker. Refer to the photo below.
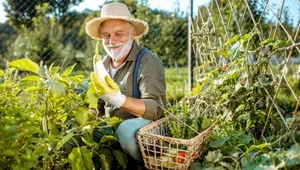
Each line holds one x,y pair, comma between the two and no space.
105,36
119,34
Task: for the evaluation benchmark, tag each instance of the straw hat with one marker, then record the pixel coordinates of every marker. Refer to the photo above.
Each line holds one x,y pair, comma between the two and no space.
115,10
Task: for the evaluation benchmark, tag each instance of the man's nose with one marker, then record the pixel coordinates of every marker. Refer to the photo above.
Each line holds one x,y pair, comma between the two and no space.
112,39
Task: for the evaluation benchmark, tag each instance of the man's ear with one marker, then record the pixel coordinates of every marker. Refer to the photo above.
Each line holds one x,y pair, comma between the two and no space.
133,33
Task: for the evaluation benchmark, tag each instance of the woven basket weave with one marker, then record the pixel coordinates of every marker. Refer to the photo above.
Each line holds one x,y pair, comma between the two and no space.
160,151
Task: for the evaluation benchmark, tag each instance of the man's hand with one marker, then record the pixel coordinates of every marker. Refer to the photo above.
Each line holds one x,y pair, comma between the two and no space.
108,90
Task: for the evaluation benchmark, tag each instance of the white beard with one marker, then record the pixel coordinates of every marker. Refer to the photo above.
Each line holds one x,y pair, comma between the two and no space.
118,54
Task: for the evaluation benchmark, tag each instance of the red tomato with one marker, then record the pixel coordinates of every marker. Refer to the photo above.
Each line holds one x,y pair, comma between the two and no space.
181,156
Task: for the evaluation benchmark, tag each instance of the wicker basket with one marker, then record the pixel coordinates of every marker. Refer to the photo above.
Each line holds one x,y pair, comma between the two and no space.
160,151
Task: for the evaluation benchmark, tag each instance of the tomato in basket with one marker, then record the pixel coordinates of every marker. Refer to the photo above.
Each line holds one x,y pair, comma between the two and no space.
181,156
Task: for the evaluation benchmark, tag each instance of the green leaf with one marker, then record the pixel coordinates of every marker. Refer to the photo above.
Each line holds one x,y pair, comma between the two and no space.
1,72
121,157
266,41
64,140
89,142
196,166
55,87
237,134
108,155
68,71
241,107
226,165
235,49
261,146
245,38
113,121
219,142
81,159
53,70
213,156
81,116
8,152
244,117
224,52
292,155
198,88
92,97
205,123
31,88
25,65
104,164
232,40
76,78
63,81
31,78
106,138
253,163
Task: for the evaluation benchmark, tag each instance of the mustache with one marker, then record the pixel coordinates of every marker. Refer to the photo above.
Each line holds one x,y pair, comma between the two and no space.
114,45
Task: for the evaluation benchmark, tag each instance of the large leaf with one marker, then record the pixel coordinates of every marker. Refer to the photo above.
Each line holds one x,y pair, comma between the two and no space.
219,142
25,65
121,157
81,159
213,156
81,116
292,156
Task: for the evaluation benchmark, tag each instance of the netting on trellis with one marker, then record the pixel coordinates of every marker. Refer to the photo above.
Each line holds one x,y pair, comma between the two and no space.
247,59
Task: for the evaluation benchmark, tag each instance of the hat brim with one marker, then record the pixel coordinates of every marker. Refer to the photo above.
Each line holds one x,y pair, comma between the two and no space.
92,26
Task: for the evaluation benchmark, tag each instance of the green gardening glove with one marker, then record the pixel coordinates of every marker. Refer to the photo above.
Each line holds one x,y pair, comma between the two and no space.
108,90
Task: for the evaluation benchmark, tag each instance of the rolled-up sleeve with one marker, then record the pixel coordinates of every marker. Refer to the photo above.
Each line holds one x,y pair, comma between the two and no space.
152,86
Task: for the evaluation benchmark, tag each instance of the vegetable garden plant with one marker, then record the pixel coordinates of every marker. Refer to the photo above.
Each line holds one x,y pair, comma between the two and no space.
43,107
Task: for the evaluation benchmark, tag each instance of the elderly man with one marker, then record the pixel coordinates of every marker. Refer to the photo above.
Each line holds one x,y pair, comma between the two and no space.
138,72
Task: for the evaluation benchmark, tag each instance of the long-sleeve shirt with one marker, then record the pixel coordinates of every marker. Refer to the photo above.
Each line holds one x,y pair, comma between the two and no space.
151,83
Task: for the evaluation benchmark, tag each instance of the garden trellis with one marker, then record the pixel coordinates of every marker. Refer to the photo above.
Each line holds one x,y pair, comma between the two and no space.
213,28
246,69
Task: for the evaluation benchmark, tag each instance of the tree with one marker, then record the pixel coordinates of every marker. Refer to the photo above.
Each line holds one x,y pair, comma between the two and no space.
21,12
41,43
6,31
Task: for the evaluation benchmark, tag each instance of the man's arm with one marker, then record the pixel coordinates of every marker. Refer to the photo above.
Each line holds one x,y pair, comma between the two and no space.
136,107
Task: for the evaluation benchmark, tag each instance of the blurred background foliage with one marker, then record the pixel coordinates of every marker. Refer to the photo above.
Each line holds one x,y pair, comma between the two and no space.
49,31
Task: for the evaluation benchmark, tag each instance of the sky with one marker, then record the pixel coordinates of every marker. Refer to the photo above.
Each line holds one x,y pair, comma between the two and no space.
170,5
94,5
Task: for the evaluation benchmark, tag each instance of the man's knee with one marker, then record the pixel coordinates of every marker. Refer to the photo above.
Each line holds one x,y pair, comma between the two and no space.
126,134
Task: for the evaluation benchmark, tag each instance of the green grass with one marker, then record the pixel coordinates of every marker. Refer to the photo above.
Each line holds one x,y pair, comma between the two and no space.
177,83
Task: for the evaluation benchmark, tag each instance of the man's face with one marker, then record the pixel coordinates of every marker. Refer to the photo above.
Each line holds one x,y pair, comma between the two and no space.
117,38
